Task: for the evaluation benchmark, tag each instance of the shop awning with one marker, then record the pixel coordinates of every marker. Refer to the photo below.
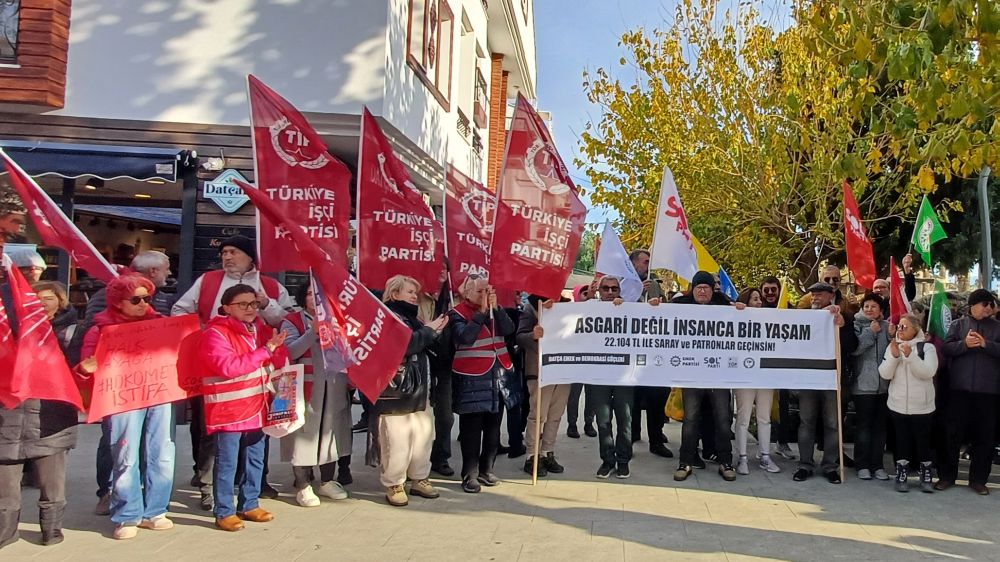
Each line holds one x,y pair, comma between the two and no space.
102,161
159,215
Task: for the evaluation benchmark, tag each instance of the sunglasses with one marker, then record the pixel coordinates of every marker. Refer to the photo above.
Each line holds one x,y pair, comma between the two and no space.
770,290
247,305
832,280
611,289
136,300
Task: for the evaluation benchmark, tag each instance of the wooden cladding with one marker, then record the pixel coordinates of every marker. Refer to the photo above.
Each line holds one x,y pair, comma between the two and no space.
38,78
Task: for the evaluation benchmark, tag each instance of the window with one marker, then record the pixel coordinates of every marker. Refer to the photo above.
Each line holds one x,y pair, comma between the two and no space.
10,20
429,50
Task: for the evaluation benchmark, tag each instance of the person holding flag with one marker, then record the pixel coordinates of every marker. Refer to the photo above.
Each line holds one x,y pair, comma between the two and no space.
22,438
325,439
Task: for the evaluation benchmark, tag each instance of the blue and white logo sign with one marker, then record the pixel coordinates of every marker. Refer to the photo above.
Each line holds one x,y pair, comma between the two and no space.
224,191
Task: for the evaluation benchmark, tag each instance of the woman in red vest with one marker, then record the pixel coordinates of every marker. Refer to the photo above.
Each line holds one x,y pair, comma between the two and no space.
237,356
481,378
325,439
140,485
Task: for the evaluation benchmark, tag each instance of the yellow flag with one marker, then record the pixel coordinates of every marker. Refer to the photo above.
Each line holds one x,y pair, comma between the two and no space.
783,297
705,260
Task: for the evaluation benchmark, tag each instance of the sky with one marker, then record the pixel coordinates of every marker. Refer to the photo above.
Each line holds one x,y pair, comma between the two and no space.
573,35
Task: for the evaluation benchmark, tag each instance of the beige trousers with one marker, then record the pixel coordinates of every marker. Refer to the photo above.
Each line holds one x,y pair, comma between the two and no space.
405,445
554,399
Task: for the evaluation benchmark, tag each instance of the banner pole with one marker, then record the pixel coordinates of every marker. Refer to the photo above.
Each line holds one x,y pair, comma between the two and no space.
840,407
538,409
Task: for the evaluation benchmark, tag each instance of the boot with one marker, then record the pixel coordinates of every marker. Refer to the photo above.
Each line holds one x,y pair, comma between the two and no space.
50,519
901,484
8,526
926,484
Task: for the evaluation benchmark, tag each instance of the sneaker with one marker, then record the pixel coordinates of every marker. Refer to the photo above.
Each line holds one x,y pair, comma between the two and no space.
362,425
470,486
489,479
622,472
424,489
207,502
103,506
881,474
727,472
396,496
802,474
742,466
306,497
768,464
605,471
785,452
661,450
682,472
713,458
902,485
572,432
588,430
865,474
444,469
551,464
158,523
529,466
125,531
268,492
333,491
833,477
699,462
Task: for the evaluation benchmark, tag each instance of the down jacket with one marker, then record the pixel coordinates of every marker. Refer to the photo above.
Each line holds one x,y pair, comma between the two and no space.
911,379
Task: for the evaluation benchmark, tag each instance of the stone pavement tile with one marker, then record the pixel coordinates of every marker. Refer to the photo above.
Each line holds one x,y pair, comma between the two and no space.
542,531
347,555
571,552
457,553
676,551
648,532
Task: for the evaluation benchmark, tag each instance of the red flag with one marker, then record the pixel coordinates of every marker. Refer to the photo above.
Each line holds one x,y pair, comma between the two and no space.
40,368
540,217
860,255
53,226
397,232
295,170
8,352
376,337
469,209
898,305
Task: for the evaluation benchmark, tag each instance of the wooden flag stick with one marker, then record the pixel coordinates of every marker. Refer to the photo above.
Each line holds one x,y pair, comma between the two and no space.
840,407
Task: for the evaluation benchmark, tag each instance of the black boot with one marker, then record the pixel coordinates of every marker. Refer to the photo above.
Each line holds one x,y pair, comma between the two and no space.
529,466
926,484
901,484
51,519
344,477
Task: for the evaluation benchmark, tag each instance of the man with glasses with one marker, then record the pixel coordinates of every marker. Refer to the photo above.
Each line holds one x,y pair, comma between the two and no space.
607,400
973,349
703,292
831,276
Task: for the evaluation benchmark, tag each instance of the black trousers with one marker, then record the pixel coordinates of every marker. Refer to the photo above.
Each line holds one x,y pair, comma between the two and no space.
49,474
972,415
869,439
913,437
706,427
479,436
573,406
653,399
304,474
720,401
444,419
783,432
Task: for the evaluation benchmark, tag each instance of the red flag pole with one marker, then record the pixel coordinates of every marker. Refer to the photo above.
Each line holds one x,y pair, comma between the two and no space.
256,168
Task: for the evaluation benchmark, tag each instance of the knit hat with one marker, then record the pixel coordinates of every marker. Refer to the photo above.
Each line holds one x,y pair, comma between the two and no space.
10,201
241,243
821,287
981,295
703,278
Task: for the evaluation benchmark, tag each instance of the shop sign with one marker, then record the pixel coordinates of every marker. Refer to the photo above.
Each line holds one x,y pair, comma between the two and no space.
224,191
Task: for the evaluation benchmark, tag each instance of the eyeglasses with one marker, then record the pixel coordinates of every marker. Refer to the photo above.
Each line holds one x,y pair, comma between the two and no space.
905,327
611,289
136,300
247,305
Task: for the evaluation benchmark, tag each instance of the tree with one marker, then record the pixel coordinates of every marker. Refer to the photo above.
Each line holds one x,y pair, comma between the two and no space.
761,128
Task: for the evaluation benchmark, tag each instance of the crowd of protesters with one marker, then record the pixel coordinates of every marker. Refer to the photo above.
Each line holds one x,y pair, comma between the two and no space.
915,397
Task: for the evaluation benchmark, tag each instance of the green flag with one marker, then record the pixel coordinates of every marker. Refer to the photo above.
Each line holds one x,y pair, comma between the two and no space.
927,231
940,312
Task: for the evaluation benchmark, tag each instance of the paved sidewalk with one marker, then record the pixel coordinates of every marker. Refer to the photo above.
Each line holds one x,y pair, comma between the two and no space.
571,517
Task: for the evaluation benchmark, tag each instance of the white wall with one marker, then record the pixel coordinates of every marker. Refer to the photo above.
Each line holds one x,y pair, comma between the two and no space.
187,60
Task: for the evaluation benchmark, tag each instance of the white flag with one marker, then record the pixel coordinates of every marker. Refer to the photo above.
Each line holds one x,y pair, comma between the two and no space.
612,259
673,246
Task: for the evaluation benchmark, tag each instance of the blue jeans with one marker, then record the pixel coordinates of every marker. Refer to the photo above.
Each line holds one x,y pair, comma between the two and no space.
227,457
105,462
138,494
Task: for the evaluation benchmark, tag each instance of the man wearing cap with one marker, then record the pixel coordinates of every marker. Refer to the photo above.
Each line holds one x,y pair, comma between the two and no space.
822,404
239,257
703,292
30,262
973,348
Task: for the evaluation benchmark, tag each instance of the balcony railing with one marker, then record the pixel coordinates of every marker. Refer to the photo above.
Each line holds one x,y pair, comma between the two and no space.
481,102
463,125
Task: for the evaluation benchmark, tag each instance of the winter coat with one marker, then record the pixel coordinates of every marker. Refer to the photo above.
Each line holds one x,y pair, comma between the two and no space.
527,343
66,325
272,314
409,389
489,392
35,428
911,379
978,369
868,355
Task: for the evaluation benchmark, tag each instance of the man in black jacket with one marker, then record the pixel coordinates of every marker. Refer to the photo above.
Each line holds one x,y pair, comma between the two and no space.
973,349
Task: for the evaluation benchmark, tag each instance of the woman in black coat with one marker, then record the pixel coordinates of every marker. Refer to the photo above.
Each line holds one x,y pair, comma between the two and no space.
481,379
405,422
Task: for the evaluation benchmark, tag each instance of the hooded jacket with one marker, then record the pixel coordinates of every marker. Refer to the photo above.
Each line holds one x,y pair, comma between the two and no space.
868,355
911,379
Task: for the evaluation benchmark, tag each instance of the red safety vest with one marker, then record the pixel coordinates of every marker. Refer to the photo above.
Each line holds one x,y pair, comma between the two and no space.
477,359
233,401
211,282
297,320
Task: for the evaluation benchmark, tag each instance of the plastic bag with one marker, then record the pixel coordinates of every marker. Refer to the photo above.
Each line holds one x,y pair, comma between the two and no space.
675,405
286,407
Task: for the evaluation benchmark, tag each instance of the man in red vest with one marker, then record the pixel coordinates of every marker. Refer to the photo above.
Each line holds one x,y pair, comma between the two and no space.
239,257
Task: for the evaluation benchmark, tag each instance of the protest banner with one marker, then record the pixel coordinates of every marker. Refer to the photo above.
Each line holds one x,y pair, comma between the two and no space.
688,346
295,170
137,366
539,217
397,232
